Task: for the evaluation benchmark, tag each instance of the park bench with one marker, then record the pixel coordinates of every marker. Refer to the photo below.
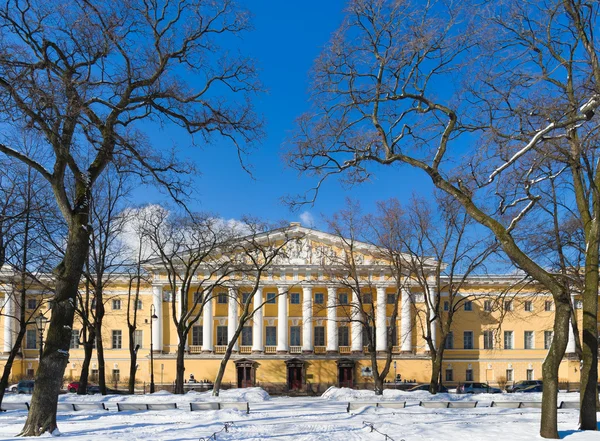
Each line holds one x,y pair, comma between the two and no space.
203,406
462,404
532,404
392,404
353,405
506,404
14,406
239,405
145,406
569,405
434,404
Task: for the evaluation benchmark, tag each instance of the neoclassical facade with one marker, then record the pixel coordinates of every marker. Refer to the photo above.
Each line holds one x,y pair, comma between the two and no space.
302,337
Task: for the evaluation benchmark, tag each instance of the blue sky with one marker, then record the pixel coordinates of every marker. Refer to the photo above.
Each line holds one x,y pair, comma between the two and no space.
286,39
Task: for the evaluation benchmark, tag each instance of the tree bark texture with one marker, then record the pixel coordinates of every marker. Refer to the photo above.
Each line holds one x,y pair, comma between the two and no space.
88,350
49,378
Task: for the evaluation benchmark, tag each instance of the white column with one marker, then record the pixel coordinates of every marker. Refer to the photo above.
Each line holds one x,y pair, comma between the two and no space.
232,317
432,312
380,320
406,324
307,330
571,346
9,312
258,344
207,324
282,320
157,325
356,326
332,331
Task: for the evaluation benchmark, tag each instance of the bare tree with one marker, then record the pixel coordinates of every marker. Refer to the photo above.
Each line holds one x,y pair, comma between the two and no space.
530,89
251,256
81,76
190,249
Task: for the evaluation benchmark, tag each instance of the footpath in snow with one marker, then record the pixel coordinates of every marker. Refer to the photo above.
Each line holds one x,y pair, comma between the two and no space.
298,419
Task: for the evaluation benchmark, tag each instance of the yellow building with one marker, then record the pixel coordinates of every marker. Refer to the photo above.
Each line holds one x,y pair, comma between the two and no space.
301,338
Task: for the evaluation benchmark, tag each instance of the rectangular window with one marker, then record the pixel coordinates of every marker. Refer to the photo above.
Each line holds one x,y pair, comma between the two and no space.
32,303
117,339
391,299
31,339
487,306
271,298
508,340
367,335
116,375
222,298
222,336
245,297
548,305
548,336
319,336
469,375
295,336
74,339
247,336
138,338
509,375
343,336
508,305
116,304
468,340
271,336
528,339
528,306
367,299
468,306
449,375
198,297
94,375
488,339
167,296
295,298
138,305
343,298
197,334
449,343
529,374
319,299
391,335
446,306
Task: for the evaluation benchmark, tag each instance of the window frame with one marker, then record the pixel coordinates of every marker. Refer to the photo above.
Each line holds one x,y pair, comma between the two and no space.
510,334
468,306
319,335
472,336
117,339
271,298
116,304
294,298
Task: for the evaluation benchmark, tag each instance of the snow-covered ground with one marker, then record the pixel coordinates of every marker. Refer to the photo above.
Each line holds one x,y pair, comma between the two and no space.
298,419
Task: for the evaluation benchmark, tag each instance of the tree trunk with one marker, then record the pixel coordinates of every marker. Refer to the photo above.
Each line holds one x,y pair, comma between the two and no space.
9,361
217,385
436,370
549,424
180,366
589,370
100,345
88,350
133,364
49,378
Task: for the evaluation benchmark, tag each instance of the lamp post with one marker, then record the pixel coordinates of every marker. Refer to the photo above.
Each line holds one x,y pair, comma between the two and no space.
40,323
153,317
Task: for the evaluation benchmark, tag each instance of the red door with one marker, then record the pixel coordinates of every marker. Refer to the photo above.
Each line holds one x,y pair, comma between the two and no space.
345,377
295,378
244,375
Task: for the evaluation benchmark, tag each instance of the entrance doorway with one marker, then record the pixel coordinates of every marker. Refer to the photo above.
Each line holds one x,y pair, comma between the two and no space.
345,372
246,373
295,374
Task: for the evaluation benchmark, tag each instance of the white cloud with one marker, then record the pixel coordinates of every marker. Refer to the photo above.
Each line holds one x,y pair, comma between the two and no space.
307,219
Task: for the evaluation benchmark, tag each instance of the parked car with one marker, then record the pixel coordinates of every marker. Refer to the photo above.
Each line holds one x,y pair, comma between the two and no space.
520,385
73,387
12,388
25,386
477,388
93,390
534,388
425,386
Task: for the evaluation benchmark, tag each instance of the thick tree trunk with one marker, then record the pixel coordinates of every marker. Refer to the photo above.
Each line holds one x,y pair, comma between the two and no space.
133,363
10,360
100,344
589,370
219,380
49,378
180,368
436,370
549,423
88,350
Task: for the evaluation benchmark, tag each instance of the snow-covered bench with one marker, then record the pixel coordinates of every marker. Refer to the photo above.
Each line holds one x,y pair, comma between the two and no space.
145,406
392,404
239,405
532,404
569,405
462,404
434,404
353,405
203,406
506,404
14,406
